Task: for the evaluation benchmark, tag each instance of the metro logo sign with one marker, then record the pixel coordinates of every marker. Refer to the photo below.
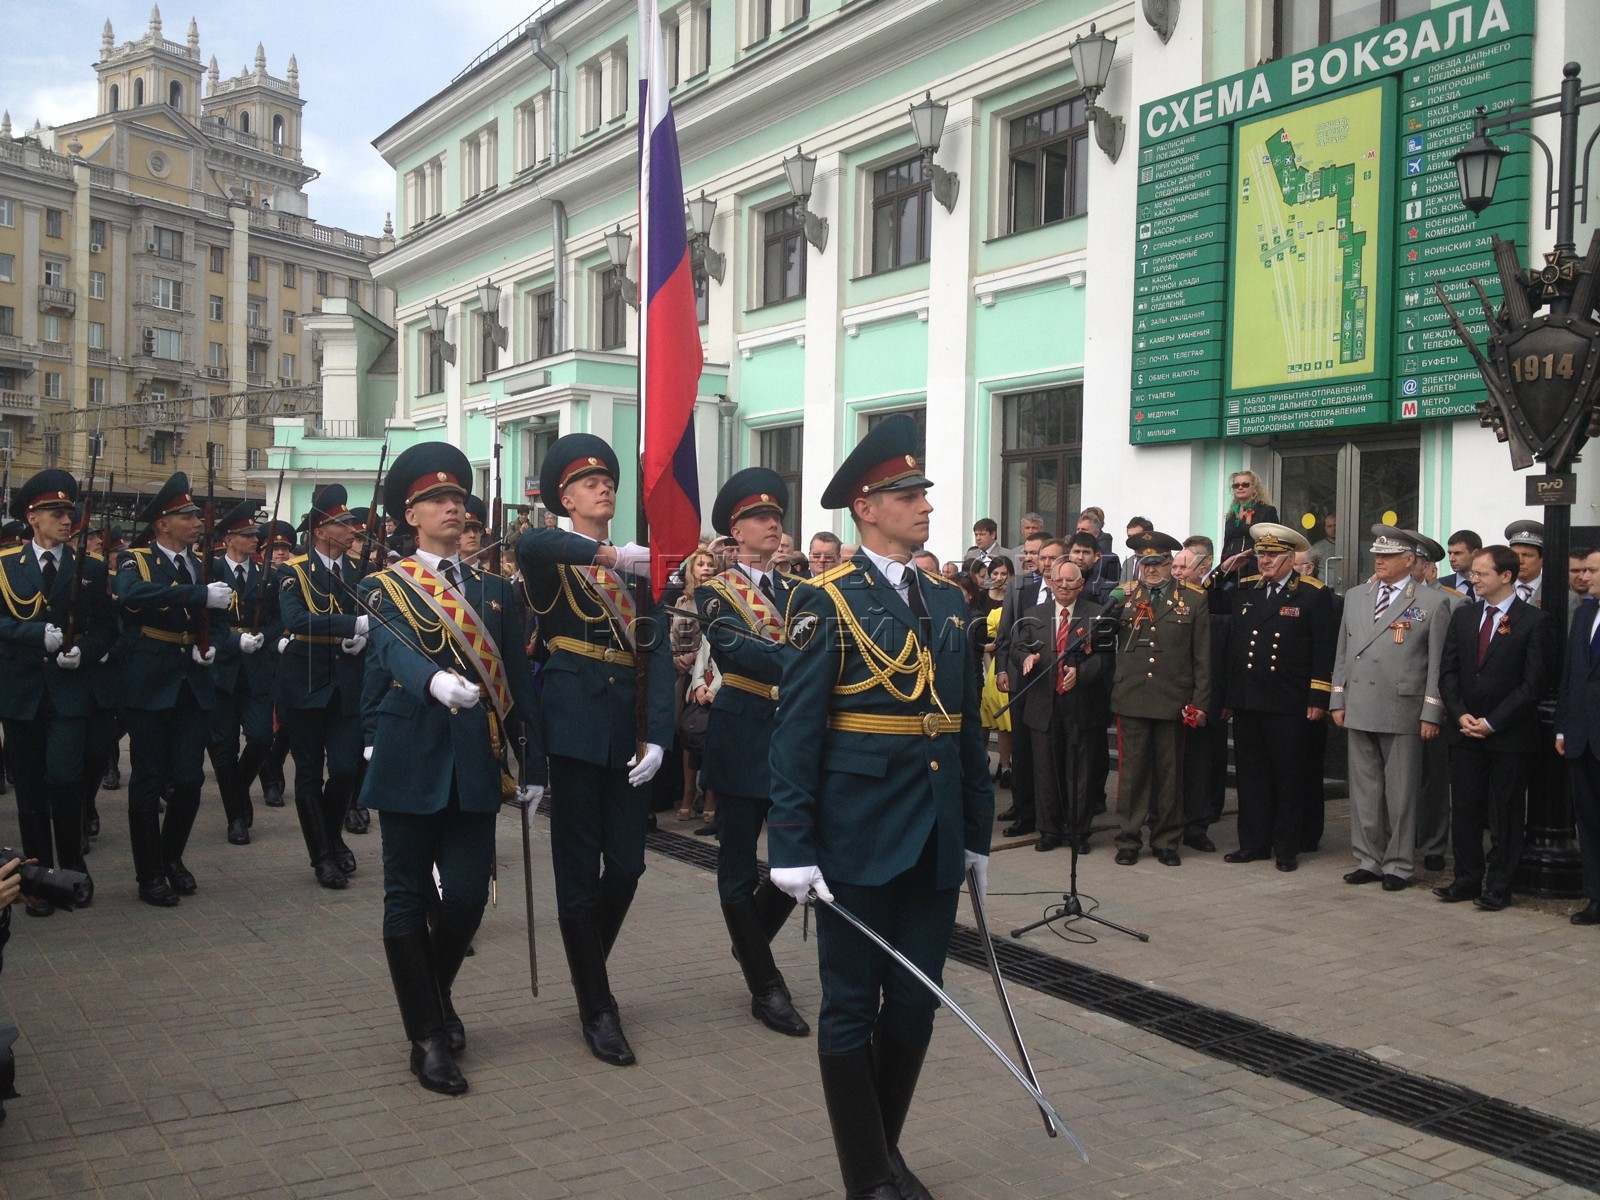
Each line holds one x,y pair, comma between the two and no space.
1408,410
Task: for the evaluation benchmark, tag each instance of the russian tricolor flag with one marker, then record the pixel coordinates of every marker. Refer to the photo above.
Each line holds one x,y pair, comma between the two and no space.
669,336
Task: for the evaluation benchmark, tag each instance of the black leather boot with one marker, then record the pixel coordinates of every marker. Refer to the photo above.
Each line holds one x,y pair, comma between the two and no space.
310,813
850,1091
770,1002
416,988
449,948
250,760
896,1068
610,915
597,1008
773,906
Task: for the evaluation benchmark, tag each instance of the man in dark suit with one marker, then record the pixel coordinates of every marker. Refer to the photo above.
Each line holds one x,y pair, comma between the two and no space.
1494,671
1578,741
1462,546
1068,709
1027,589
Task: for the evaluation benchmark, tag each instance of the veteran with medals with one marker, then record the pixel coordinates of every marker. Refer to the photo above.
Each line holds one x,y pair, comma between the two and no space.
744,608
448,692
881,796
580,588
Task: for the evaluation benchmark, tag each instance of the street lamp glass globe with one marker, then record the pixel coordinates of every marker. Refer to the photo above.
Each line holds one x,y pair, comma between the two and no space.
1477,171
1091,59
927,122
800,168
702,212
436,315
617,246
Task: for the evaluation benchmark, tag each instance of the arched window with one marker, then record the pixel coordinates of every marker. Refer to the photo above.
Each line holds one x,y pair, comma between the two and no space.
114,96
175,95
278,130
138,93
244,122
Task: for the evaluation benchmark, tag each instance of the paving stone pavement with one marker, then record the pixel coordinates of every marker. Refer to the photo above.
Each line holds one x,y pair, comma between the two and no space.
247,1043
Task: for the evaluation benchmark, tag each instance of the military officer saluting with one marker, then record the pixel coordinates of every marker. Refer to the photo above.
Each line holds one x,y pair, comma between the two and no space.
448,690
45,694
1280,664
319,680
173,623
1163,681
881,795
745,607
580,588
243,673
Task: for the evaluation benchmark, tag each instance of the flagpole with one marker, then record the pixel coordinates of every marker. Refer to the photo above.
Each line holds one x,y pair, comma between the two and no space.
643,586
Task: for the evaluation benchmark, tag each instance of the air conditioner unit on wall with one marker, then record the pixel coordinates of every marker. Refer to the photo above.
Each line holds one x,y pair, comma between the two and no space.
95,247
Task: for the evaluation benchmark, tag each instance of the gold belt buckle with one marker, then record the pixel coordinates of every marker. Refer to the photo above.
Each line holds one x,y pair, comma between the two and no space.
773,691
930,724
609,655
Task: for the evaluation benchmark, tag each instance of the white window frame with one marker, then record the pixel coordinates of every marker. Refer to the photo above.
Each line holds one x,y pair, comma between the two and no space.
97,389
55,272
531,129
288,321
50,327
166,293
8,268
8,212
216,355
97,335
215,308
50,385
289,365
97,285
170,340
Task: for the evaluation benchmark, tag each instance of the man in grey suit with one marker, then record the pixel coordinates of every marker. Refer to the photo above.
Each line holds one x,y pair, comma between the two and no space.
1386,695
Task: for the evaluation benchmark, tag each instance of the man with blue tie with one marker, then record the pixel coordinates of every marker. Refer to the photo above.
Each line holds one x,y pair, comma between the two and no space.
1578,739
243,673
45,696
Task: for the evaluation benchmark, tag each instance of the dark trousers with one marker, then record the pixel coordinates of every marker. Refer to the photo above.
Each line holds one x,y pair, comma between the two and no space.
1313,819
460,844
164,746
1063,756
739,823
1272,749
1487,791
1205,775
1585,774
1024,779
46,760
241,711
319,737
860,983
1149,781
1099,770
597,828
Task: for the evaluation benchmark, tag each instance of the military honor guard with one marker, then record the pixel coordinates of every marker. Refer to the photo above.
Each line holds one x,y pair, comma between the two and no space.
881,796
173,624
1278,685
581,589
1386,695
320,679
472,533
243,673
53,619
1162,683
744,608
449,692
278,545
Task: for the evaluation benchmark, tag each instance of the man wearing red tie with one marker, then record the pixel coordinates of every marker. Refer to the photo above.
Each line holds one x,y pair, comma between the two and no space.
1496,662
1066,711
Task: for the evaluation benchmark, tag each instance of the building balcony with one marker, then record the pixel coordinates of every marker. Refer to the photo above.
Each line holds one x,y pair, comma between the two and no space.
57,299
258,335
19,402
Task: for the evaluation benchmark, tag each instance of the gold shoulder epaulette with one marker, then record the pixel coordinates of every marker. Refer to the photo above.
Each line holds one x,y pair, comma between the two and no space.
97,557
832,574
296,560
1312,581
1244,579
935,577
10,551
793,578
1192,587
1445,587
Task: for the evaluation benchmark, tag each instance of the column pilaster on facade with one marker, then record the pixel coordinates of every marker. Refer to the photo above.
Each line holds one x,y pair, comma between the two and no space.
79,383
238,296
455,422
823,431
950,349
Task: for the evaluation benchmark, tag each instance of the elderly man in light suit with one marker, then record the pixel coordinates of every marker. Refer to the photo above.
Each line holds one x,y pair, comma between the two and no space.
1386,694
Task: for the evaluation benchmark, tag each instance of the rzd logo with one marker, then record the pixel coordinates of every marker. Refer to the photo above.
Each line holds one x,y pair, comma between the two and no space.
1408,409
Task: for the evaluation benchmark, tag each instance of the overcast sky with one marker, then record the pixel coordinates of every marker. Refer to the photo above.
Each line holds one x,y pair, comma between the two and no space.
363,66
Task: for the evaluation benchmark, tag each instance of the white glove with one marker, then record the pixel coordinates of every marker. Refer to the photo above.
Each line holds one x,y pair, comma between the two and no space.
353,645
283,643
979,864
361,625
249,643
452,691
209,657
642,771
68,660
52,639
219,595
633,559
530,794
366,753
800,882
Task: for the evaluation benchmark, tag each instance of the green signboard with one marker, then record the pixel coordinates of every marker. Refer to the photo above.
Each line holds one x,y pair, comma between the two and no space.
1291,223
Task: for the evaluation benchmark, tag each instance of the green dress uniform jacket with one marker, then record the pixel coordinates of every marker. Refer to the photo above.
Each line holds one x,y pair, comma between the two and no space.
739,734
419,746
318,613
160,617
861,805
27,672
1163,658
258,670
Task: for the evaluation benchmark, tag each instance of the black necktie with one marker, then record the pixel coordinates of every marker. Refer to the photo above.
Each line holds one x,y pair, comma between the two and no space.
448,566
767,588
915,602
238,573
338,575
182,562
48,570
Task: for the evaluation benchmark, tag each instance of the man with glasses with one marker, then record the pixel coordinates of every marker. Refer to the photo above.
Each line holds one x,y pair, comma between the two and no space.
824,552
1027,590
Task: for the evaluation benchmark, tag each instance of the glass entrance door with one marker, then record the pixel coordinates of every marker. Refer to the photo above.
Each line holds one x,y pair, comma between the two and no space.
1334,492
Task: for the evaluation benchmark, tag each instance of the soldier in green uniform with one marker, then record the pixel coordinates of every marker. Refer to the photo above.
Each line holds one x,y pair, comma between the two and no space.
1163,681
744,607
243,674
278,546
45,694
173,623
881,796
319,680
580,588
447,688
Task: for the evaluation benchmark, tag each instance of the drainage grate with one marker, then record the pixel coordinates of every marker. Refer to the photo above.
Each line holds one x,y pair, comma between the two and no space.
1521,1135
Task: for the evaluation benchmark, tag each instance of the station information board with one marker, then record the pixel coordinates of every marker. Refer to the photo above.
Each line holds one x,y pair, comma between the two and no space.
1292,221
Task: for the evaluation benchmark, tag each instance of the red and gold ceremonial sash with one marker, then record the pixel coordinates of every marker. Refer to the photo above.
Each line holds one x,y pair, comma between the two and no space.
611,589
464,626
751,603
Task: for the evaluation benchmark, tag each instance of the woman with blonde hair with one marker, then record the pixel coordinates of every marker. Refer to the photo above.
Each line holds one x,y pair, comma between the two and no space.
1249,505
697,679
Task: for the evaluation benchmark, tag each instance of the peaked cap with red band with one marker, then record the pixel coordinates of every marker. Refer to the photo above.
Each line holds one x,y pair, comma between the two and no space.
570,459
885,461
747,492
48,489
422,472
174,497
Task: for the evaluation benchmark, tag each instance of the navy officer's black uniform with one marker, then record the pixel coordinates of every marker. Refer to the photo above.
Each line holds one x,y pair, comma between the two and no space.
590,621
46,696
880,783
744,608
435,771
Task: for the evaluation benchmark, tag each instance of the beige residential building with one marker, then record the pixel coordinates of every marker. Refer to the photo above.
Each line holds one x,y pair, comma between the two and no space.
157,262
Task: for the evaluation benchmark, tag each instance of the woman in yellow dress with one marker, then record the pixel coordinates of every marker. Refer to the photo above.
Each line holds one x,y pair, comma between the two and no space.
994,699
